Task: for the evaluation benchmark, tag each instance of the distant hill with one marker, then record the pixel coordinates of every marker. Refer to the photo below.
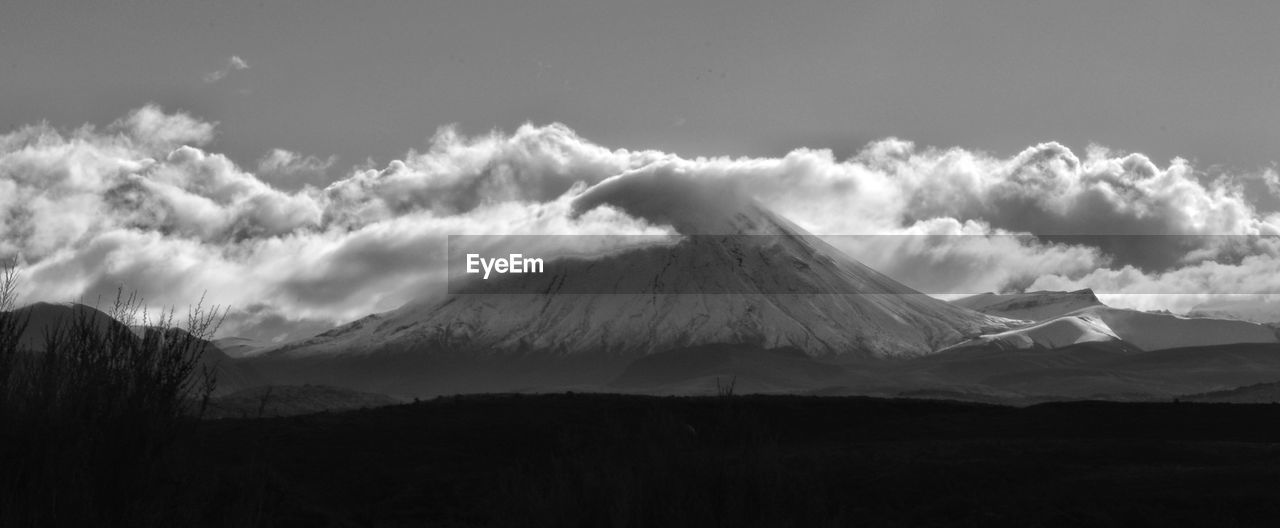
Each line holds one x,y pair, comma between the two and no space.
45,318
238,347
1257,393
293,400
1098,370
42,319
708,369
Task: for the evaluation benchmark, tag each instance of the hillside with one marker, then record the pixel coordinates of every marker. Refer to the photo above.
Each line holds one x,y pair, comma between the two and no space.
292,400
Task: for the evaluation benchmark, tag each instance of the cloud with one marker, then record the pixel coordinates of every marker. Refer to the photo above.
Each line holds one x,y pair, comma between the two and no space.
143,203
1255,308
234,63
89,211
153,131
893,188
1255,278
284,165
947,257
1272,179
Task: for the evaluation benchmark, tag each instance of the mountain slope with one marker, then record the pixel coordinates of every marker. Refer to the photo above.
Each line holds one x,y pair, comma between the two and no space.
292,400
710,369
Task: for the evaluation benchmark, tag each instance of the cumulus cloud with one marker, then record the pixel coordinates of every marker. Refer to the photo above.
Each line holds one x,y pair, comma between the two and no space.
88,211
143,203
970,203
233,63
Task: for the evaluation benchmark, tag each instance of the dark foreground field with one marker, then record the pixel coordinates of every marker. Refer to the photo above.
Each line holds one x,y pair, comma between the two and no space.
606,460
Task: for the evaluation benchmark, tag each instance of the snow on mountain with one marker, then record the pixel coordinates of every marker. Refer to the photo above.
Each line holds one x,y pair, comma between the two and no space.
1055,333
1067,318
702,290
1031,306
1156,331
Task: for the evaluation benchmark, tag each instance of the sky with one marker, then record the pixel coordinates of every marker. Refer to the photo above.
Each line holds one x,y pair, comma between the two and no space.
726,77
298,159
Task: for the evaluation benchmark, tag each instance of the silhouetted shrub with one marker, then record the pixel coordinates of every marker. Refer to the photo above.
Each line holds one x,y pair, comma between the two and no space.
90,424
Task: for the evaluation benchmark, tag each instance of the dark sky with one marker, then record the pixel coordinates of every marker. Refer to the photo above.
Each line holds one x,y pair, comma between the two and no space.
1167,78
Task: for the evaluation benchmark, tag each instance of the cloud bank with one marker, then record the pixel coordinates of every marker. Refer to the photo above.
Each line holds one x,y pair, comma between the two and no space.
144,202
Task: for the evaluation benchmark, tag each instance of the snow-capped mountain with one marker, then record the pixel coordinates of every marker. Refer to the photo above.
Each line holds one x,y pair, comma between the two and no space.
702,290
1062,323
1031,306
1158,331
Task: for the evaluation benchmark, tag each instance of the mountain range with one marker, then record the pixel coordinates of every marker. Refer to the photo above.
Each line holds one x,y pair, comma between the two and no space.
746,295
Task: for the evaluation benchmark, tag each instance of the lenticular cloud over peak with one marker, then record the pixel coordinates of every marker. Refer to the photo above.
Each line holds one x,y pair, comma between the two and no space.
146,202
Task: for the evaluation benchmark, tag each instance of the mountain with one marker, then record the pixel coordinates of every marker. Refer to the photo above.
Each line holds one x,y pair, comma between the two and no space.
1054,333
45,319
742,277
1031,306
1159,331
1067,318
702,290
